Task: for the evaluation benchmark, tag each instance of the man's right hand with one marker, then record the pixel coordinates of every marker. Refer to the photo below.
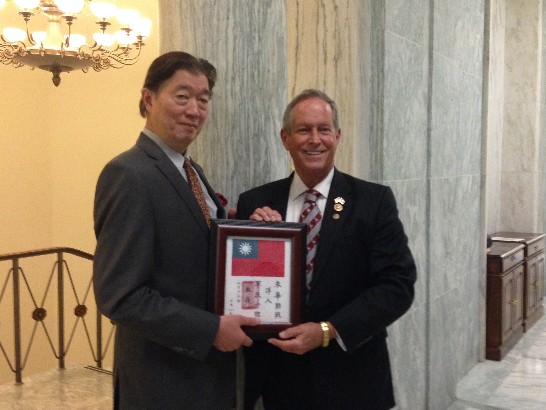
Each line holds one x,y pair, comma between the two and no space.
230,336
266,214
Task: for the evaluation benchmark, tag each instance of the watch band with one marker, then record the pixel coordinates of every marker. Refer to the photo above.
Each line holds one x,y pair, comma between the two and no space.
325,334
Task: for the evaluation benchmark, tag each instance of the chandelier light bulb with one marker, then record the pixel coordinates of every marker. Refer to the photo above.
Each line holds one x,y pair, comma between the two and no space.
76,41
127,17
103,9
39,38
13,35
124,38
142,27
104,40
70,7
27,4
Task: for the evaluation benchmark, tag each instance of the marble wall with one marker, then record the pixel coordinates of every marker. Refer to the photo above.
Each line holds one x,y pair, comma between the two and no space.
422,110
398,145
494,112
454,228
541,209
522,116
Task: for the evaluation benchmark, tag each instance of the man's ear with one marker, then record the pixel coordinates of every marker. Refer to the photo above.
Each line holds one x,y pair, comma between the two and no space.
284,136
147,98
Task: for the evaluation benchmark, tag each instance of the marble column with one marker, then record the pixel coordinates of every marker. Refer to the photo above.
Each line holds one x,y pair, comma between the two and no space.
520,162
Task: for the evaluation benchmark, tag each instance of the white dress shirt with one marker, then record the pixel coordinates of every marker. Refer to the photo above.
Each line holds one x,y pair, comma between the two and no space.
296,199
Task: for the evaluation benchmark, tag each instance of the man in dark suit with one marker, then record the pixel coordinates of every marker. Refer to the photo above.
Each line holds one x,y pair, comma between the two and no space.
151,273
360,281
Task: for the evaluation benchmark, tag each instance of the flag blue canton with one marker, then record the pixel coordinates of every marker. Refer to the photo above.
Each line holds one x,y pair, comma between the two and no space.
245,248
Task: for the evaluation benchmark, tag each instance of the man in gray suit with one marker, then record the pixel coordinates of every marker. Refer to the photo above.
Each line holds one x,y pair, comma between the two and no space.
151,267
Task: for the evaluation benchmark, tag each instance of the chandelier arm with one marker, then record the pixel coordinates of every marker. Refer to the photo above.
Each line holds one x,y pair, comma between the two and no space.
8,52
122,57
26,17
69,24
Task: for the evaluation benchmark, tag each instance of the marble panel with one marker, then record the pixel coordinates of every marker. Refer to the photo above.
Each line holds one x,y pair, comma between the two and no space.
455,232
371,94
493,184
456,124
408,19
406,341
458,33
522,69
541,145
494,112
448,332
411,197
246,40
519,145
322,53
541,209
519,211
405,109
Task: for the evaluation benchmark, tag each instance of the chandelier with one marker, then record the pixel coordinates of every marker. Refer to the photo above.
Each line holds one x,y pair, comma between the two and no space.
58,49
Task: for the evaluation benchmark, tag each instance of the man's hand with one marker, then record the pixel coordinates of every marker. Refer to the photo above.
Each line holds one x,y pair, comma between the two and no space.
299,339
266,214
230,336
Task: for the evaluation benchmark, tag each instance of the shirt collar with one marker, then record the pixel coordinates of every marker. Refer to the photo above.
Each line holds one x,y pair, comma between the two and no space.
298,187
176,157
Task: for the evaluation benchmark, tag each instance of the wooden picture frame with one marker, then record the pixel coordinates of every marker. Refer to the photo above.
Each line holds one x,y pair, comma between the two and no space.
259,271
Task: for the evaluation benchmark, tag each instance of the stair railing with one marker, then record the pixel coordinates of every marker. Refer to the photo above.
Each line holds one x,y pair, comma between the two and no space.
61,272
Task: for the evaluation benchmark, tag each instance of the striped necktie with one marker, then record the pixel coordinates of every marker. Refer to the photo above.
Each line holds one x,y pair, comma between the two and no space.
312,217
195,186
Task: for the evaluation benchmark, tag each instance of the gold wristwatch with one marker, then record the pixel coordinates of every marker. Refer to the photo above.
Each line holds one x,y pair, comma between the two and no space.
325,334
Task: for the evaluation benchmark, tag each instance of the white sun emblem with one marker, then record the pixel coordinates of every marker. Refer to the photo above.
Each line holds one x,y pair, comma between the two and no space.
245,248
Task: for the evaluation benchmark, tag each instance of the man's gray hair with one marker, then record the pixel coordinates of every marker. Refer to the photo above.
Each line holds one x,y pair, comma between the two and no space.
305,95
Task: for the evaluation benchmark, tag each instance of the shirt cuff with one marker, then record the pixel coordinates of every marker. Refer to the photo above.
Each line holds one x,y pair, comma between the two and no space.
340,342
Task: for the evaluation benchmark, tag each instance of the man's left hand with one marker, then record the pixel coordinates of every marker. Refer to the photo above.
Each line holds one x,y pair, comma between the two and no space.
299,339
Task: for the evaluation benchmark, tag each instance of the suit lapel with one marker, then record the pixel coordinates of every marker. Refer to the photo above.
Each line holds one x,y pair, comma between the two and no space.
333,221
175,178
279,196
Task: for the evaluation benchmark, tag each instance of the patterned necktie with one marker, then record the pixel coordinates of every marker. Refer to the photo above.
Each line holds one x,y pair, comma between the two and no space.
312,217
195,186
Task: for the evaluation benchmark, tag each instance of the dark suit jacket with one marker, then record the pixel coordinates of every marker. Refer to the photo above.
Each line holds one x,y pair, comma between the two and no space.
363,280
151,278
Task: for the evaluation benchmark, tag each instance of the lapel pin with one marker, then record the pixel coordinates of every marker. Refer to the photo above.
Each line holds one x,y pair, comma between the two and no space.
336,216
338,207
339,200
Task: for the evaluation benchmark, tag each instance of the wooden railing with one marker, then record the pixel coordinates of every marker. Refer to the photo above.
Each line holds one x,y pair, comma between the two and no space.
66,284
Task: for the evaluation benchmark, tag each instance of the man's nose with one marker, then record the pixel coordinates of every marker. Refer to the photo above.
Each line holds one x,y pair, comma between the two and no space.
192,107
314,136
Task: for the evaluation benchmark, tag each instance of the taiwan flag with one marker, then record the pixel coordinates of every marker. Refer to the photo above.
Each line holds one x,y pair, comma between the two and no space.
252,257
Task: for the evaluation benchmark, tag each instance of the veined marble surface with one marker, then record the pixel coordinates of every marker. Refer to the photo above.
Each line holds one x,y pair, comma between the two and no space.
70,389
518,382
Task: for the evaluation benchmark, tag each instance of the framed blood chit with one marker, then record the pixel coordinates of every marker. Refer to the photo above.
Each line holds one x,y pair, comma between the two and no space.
259,270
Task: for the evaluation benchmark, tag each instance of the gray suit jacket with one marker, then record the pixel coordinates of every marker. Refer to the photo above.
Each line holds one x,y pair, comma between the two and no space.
363,280
151,277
